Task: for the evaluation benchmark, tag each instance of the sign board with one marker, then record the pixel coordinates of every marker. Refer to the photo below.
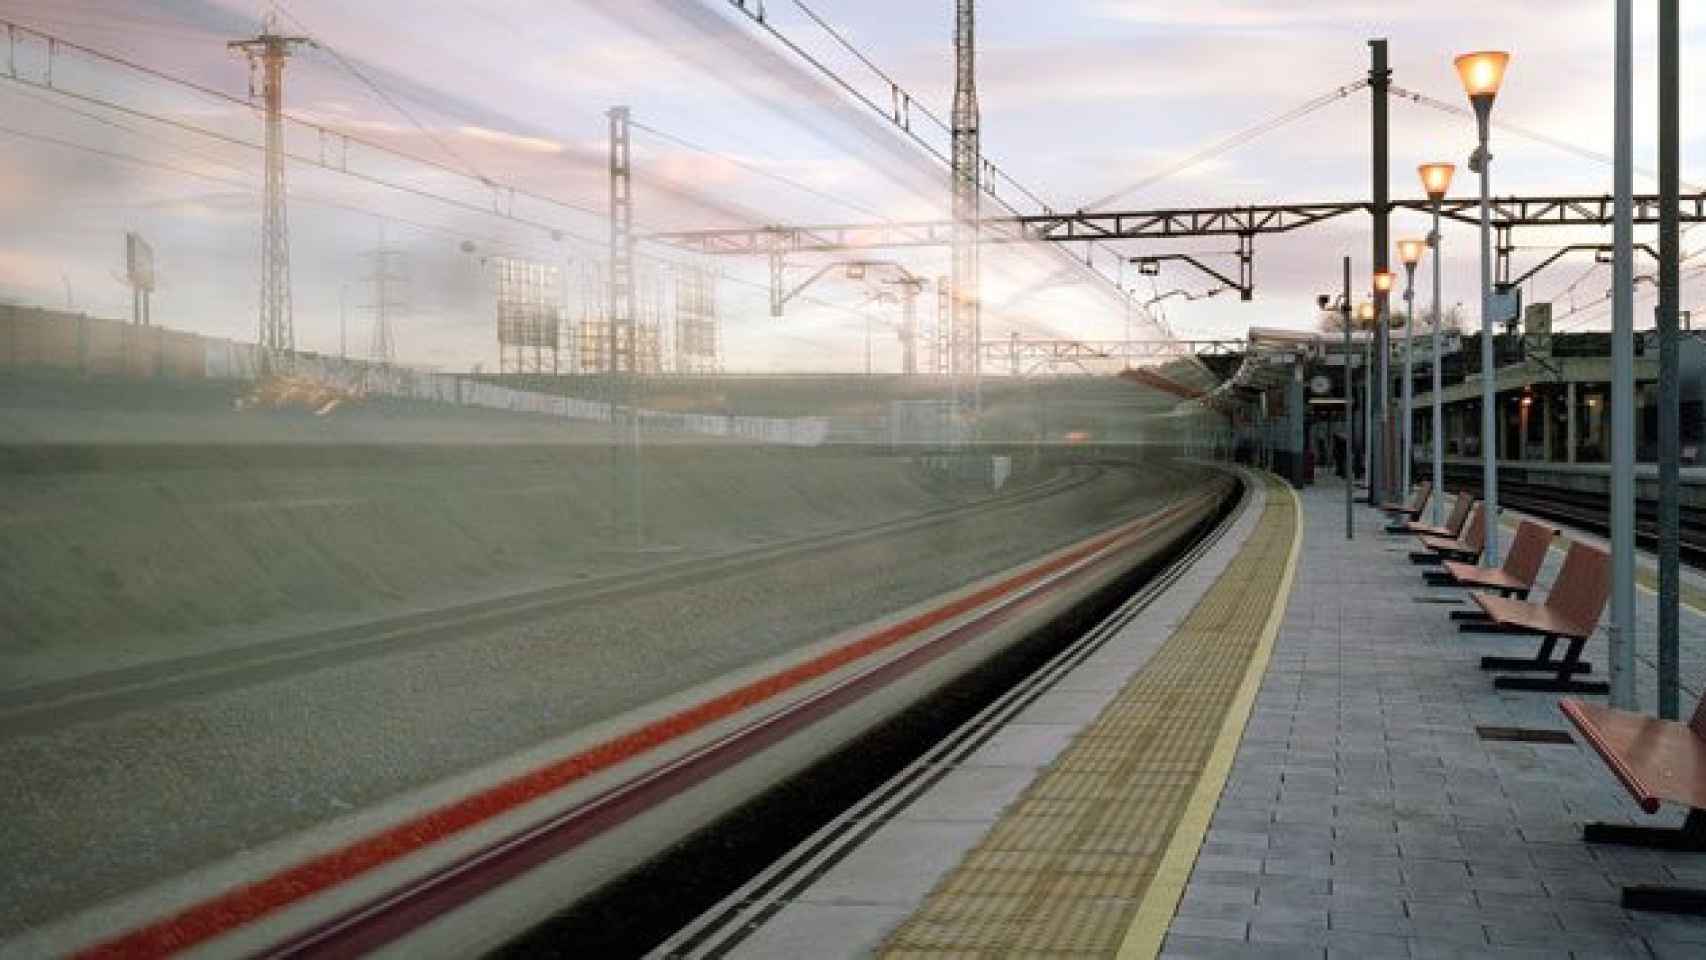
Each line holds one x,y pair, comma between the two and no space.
138,262
1505,304
1537,330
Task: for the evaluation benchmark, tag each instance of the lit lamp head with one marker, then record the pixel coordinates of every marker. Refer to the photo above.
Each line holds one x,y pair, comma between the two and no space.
1481,73
1383,281
1365,312
1410,251
1436,179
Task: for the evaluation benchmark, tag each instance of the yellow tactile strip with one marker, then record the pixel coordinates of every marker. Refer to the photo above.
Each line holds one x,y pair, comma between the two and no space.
1065,870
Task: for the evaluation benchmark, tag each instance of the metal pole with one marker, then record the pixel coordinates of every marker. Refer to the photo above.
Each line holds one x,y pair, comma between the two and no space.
1623,376
1483,161
1350,430
1409,378
1439,360
1379,78
1368,410
1670,422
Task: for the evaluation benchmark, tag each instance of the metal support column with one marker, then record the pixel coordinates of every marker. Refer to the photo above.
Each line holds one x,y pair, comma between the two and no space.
1482,163
1379,79
1670,421
622,350
965,328
1438,497
1350,429
1622,399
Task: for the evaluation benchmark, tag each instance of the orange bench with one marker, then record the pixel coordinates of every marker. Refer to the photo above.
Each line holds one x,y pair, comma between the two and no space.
1514,579
1454,521
1657,761
1401,512
1466,547
1571,612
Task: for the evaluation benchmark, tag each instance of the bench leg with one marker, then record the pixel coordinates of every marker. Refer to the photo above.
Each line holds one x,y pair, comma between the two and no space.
1429,559
1685,900
1562,681
1486,625
1476,616
1439,578
1688,838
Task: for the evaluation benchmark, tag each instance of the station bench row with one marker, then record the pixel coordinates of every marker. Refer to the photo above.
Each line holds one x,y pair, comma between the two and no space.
1657,761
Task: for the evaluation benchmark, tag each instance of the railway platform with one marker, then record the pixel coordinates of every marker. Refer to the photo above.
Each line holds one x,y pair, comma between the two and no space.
1288,752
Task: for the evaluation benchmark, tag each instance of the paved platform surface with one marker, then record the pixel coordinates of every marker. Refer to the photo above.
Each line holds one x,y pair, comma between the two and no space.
1364,817
1044,839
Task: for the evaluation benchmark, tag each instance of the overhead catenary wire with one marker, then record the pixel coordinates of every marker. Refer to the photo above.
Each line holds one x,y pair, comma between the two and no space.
1236,140
1527,134
470,168
755,169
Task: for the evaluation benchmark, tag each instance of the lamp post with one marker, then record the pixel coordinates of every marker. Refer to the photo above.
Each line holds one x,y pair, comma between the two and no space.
1481,73
1436,180
1410,253
1383,281
1365,315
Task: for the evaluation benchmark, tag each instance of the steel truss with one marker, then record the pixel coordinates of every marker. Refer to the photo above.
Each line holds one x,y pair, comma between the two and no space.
1021,355
1180,223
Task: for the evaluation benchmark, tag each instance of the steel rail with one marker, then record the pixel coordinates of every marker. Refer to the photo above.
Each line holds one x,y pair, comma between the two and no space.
57,704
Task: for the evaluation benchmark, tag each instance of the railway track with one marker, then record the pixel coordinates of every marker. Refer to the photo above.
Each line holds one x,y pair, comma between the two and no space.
1588,510
47,706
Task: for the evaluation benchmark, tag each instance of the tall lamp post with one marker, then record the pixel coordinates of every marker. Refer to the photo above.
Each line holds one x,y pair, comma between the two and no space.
1481,73
1383,282
1365,315
1410,253
1436,180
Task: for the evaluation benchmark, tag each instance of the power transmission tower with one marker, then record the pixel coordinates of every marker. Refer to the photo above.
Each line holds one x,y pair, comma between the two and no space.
388,272
623,352
266,54
964,332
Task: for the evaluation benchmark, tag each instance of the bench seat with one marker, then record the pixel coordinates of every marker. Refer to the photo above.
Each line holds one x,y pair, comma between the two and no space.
1532,617
1656,760
1486,578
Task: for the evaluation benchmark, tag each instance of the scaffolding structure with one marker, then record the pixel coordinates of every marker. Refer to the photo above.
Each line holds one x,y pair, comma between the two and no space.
696,342
530,315
590,338
387,277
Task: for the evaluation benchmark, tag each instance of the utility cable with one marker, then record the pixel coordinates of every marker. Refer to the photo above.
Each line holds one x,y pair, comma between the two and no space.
1564,145
386,97
1236,140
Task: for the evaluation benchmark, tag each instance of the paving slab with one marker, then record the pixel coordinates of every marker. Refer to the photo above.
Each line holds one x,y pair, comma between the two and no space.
1362,768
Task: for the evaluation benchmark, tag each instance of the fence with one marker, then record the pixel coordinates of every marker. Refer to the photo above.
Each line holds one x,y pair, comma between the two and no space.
31,337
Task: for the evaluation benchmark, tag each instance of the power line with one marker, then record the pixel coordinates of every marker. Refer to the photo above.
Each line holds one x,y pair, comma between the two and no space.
1564,145
760,171
386,97
323,130
1236,140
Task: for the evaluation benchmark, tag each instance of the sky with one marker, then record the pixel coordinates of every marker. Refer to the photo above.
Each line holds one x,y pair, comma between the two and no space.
1086,103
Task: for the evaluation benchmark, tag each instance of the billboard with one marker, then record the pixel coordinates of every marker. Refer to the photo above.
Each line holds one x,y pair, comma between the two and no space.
138,262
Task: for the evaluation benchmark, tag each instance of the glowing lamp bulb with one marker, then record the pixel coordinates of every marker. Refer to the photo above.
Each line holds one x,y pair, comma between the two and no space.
1482,72
1410,251
1383,281
1436,178
1365,311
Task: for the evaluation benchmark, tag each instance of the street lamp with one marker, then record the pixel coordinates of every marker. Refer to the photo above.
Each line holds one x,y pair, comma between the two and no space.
1410,253
1481,73
1436,180
1365,317
1383,281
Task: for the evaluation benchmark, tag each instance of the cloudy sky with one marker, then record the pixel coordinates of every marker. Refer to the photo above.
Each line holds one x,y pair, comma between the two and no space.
1082,100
